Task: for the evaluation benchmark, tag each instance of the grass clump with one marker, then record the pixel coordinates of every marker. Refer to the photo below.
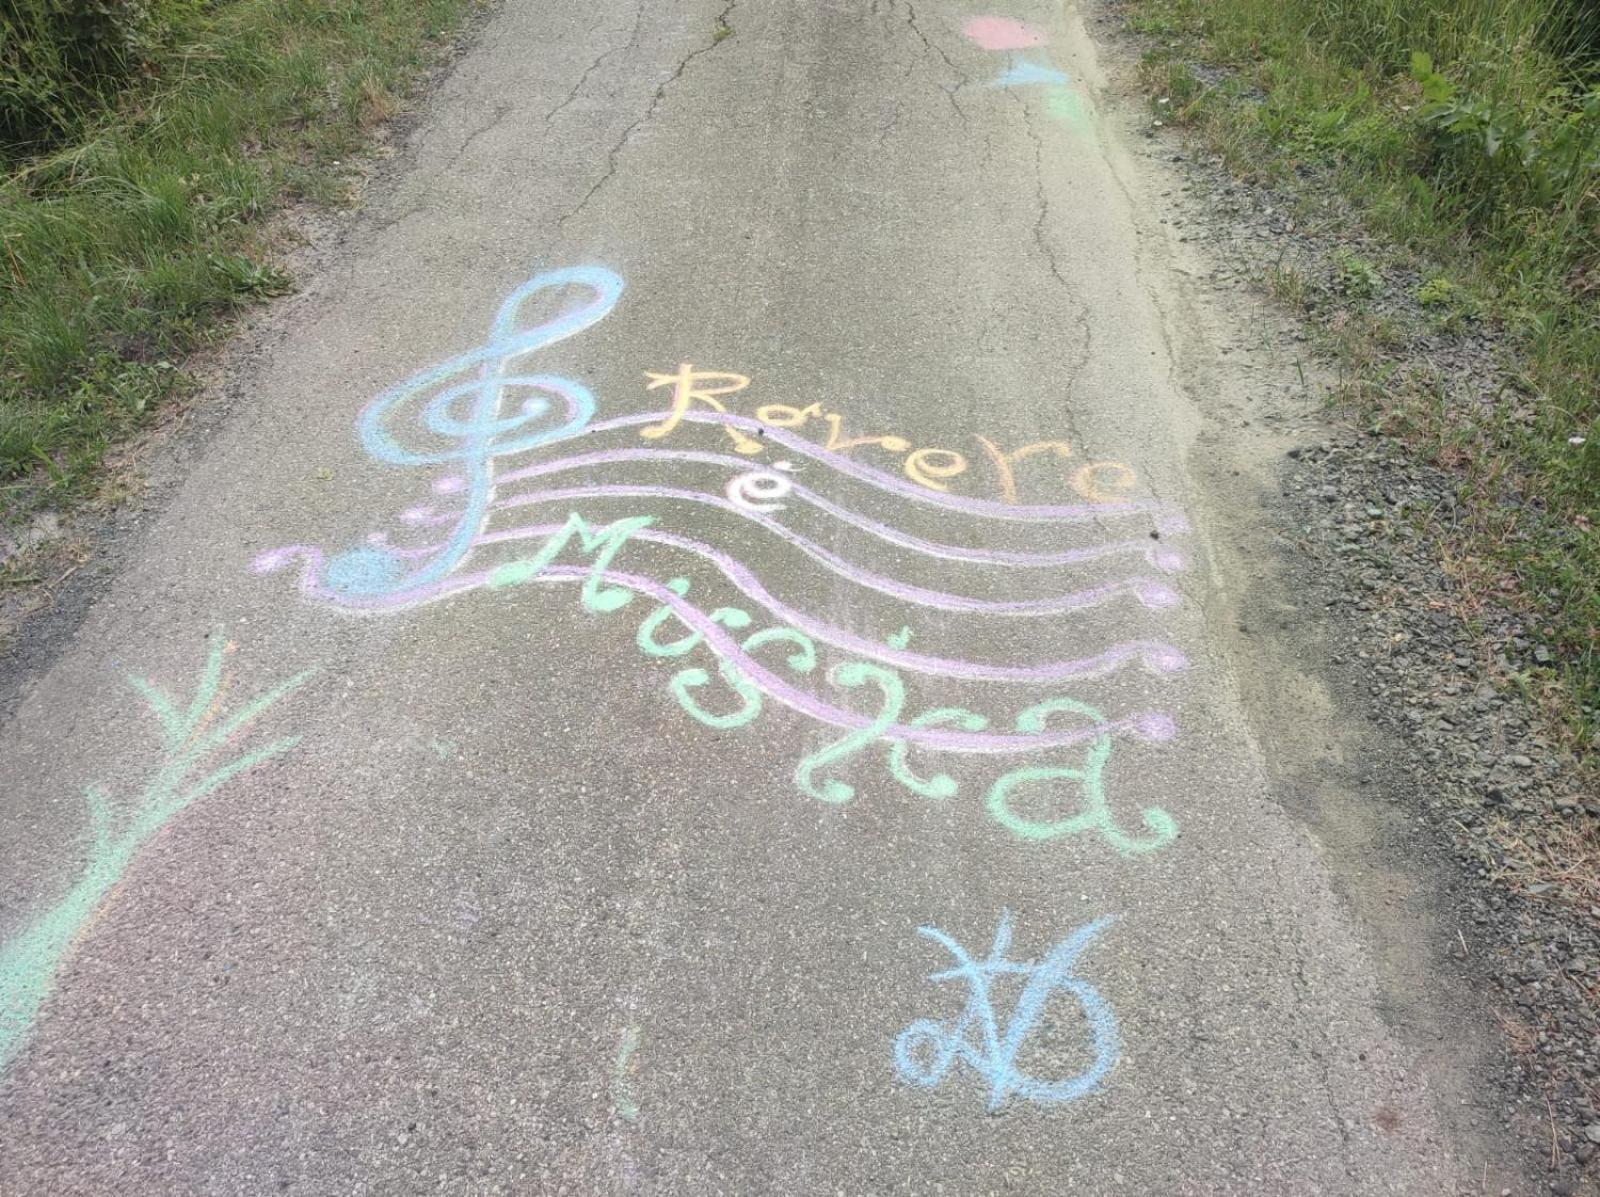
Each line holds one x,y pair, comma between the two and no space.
62,59
1467,133
132,219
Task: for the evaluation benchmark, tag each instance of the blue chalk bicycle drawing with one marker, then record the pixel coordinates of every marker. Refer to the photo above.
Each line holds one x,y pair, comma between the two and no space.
926,1049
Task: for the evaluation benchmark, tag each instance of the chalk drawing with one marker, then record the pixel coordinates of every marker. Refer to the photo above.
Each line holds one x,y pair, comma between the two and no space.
621,1090
926,1050
761,491
1022,73
1157,553
479,410
488,378
193,737
1068,106
1003,33
1004,462
928,467
1094,813
690,386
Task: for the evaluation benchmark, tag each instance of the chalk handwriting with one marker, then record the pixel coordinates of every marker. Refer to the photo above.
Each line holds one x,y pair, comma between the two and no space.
1094,813
761,491
930,467
691,386
1004,462
927,1049
496,434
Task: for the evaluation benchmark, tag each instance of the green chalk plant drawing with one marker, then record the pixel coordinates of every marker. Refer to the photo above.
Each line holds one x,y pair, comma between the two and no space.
621,1091
193,764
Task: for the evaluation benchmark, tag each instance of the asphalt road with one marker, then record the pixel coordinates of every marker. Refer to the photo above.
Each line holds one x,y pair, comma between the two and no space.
765,732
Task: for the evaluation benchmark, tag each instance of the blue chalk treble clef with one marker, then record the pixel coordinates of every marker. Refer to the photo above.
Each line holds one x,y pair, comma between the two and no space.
926,1049
483,431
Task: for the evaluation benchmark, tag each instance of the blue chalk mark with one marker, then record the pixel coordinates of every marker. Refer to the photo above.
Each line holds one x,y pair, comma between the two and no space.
486,431
365,571
926,1049
1023,74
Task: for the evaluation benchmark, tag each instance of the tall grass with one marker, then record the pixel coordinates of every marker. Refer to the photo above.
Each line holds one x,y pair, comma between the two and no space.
1468,132
120,250
1381,34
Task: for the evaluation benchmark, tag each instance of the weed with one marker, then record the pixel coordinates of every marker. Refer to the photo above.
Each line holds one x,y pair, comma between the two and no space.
1355,277
1438,292
1176,92
1287,285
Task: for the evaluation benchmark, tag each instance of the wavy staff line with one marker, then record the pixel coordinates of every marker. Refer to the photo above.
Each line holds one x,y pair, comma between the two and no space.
1161,558
1152,655
881,479
1145,589
1148,591
1149,725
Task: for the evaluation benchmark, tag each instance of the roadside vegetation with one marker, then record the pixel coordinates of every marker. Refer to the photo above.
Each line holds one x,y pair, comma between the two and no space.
1466,135
143,146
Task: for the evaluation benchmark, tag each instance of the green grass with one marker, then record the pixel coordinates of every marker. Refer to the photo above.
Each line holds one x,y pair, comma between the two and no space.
132,243
1467,134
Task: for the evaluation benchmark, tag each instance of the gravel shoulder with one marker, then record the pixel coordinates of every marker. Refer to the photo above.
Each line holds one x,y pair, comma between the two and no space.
1387,685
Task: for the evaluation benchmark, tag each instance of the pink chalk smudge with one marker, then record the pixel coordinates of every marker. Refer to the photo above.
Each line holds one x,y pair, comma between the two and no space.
1003,33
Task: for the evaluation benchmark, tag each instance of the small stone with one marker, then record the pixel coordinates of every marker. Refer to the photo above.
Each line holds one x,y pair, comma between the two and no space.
1592,1132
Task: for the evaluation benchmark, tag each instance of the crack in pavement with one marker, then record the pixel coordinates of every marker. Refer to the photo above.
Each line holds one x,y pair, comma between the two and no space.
899,108
722,22
1302,988
501,111
934,48
1080,317
1188,585
633,35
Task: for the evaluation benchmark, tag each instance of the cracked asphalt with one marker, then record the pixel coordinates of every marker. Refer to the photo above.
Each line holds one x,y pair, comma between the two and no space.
511,902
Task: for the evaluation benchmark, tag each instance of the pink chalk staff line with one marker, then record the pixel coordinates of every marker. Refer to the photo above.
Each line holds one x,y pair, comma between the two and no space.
1149,725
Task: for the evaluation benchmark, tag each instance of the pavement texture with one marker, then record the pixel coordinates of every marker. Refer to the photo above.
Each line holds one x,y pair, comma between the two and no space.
858,801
